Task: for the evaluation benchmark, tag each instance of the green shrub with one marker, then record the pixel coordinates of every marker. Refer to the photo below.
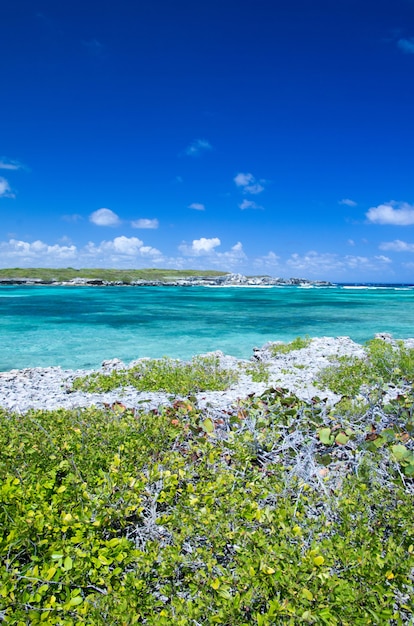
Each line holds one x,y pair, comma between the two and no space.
284,348
274,511
172,376
384,364
259,372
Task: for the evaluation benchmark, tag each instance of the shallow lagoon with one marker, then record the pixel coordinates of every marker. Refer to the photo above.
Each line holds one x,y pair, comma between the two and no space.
79,327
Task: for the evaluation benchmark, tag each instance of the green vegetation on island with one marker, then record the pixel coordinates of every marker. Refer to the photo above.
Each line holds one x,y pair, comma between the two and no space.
110,275
276,511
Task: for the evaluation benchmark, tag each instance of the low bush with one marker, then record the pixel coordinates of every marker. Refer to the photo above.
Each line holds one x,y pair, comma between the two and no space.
284,348
384,364
172,376
276,511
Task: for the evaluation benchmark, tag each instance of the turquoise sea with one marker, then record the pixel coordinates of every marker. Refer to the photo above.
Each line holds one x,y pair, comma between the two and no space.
79,327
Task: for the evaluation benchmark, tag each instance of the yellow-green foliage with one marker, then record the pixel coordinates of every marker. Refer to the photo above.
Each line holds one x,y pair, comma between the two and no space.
172,376
383,364
177,517
285,348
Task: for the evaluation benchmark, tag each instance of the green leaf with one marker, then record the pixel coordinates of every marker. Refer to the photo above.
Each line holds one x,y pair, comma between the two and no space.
325,436
341,439
208,425
400,452
307,594
75,601
68,563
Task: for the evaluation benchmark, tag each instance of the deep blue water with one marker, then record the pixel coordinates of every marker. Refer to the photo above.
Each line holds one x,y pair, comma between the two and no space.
79,327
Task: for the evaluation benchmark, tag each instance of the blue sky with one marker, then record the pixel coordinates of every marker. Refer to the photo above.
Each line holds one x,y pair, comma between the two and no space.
254,136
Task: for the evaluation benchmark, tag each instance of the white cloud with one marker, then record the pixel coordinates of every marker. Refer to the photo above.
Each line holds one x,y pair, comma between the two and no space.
395,213
351,242
7,164
397,246
312,262
323,264
120,252
242,180
25,253
268,261
206,249
5,190
406,45
348,202
145,223
104,217
249,204
383,259
253,189
201,246
248,183
126,245
197,147
197,206
121,247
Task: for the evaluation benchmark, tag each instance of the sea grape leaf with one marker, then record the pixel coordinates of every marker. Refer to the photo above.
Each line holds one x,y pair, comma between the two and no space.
400,452
325,436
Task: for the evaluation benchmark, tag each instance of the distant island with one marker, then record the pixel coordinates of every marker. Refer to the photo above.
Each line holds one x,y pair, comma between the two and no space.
143,278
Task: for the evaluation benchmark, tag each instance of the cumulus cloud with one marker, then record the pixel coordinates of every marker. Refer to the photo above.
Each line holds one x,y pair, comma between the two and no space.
207,255
7,164
145,223
348,202
119,252
395,213
25,253
200,246
406,45
5,190
397,246
249,204
121,247
197,206
104,217
248,183
242,180
197,147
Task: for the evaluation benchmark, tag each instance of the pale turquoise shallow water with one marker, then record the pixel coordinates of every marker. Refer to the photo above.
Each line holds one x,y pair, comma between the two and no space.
79,327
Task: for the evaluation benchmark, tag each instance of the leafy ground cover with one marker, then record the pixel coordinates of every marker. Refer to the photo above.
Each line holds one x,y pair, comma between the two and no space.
275,511
203,373
285,348
384,364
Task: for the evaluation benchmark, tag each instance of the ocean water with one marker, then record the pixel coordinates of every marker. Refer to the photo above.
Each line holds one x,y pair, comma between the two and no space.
79,327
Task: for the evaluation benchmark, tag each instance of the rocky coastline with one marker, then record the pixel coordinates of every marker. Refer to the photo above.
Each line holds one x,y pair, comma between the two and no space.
51,388
227,280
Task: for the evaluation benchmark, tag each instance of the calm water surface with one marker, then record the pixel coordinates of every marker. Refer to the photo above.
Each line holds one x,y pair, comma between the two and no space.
79,327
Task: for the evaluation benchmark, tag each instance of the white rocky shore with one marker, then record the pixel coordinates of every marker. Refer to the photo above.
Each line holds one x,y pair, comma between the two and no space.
51,387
